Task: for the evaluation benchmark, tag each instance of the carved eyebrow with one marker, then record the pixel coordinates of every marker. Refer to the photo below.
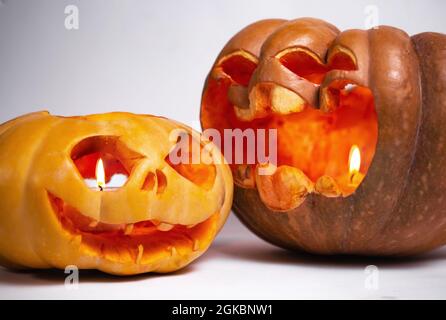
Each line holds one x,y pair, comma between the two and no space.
309,52
240,52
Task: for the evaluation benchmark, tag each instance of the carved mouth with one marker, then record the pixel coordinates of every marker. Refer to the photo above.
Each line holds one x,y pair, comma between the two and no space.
317,116
143,242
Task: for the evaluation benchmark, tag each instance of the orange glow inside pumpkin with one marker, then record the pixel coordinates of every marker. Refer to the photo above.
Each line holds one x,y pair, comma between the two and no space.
123,242
116,243
314,141
116,158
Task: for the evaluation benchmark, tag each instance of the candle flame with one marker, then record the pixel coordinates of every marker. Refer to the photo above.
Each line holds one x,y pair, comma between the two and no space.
100,174
354,160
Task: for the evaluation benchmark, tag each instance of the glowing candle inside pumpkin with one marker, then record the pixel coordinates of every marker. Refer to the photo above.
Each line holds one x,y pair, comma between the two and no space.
98,182
100,174
354,164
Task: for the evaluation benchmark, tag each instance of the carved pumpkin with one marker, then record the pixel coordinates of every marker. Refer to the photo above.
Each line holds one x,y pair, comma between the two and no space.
326,92
162,218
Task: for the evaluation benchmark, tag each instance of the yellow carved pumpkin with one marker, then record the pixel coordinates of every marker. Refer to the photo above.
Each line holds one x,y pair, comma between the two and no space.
161,219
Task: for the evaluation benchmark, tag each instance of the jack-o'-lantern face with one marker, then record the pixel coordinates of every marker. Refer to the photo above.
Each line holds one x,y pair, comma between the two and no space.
310,86
162,217
360,136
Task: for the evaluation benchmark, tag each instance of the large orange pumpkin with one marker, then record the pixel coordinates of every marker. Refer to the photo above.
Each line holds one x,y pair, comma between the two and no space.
326,91
161,219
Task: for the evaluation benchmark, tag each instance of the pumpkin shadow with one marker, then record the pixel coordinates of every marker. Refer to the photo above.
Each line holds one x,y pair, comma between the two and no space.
260,252
57,277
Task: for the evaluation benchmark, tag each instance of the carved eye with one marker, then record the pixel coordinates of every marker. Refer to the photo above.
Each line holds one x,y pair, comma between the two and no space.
118,160
186,158
239,66
306,64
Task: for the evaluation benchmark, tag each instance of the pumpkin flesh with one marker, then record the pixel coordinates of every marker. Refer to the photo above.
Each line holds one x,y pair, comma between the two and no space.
312,140
140,242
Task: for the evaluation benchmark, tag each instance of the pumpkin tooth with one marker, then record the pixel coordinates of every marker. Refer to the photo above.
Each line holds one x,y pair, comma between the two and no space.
329,95
285,101
164,227
327,186
128,229
285,189
140,253
265,96
93,224
238,95
196,245
244,176
173,251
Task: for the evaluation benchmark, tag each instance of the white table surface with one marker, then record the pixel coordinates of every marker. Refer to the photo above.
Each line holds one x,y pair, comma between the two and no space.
241,266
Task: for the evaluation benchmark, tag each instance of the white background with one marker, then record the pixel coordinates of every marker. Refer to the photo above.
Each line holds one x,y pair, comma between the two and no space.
153,57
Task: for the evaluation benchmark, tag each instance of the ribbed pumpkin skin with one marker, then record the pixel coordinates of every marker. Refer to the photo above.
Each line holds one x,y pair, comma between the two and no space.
36,167
399,208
